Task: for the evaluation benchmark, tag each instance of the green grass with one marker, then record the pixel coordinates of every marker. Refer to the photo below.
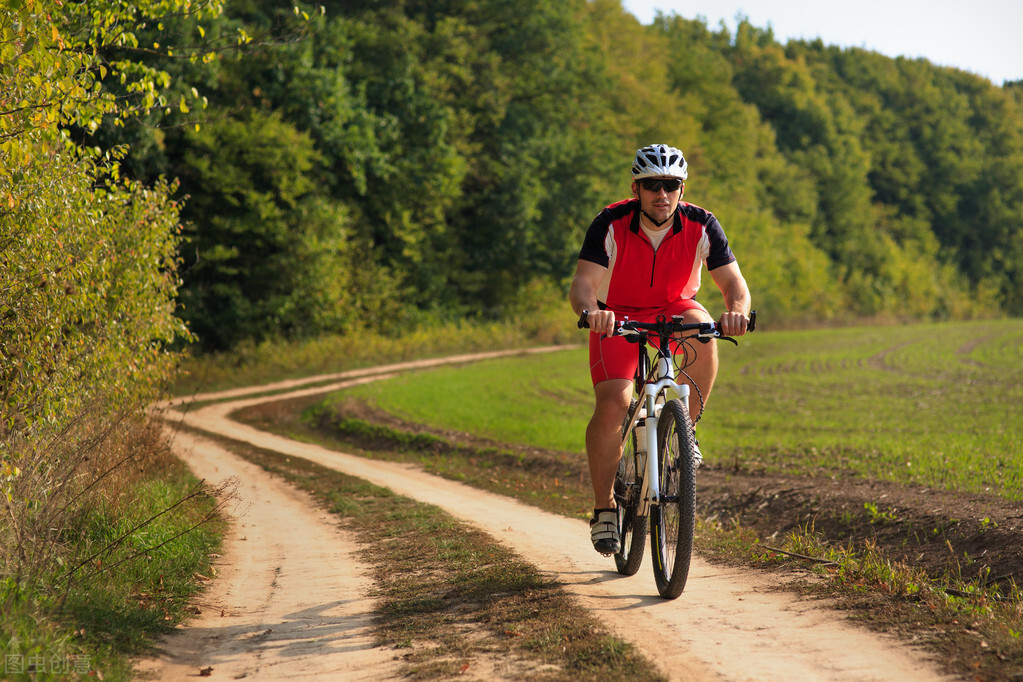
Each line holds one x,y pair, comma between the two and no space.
936,405
534,400
928,404
113,591
252,364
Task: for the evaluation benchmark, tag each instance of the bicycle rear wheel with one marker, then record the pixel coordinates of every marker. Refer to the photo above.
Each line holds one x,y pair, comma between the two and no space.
673,520
628,482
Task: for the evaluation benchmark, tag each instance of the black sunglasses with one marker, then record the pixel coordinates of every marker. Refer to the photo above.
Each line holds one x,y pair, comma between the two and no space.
655,184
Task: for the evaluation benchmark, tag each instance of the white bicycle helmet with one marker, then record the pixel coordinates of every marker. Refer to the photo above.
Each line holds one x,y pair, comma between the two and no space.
659,161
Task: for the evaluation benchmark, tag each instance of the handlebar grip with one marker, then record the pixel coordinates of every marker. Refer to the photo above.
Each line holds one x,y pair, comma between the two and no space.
752,325
583,321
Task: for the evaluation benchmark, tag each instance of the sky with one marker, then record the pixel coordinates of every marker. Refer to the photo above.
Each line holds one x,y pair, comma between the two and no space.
984,37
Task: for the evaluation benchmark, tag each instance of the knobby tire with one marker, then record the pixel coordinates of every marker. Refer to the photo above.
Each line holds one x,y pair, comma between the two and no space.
627,486
673,520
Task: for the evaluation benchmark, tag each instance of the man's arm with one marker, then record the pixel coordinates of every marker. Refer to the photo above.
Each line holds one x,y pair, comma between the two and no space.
732,284
583,296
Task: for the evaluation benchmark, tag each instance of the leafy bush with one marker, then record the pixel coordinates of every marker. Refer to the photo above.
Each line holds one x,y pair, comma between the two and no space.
87,260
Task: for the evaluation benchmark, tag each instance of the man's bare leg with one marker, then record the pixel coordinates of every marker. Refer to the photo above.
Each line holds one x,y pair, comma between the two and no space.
604,438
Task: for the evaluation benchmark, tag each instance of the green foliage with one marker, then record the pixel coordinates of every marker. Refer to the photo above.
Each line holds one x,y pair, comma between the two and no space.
273,258
88,261
88,281
939,141
789,275
448,156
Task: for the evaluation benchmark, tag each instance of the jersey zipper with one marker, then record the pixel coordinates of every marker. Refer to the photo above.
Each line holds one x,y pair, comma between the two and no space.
653,265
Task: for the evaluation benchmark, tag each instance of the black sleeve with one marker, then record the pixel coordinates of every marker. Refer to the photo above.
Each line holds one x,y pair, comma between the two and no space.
720,253
593,244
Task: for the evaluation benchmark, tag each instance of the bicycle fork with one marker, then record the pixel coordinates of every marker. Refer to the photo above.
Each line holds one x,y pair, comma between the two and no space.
650,490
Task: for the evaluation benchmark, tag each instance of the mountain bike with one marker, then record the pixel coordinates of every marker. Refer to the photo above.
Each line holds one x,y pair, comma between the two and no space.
656,476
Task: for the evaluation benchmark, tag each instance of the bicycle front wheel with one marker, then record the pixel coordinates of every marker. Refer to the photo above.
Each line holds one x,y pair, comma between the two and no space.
628,482
673,519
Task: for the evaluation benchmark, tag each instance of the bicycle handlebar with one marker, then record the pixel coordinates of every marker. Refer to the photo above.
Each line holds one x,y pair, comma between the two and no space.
663,327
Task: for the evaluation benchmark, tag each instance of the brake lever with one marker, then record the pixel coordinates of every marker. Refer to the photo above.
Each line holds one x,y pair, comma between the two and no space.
705,338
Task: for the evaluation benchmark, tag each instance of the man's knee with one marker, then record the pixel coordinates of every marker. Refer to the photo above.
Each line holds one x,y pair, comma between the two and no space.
613,392
697,315
612,400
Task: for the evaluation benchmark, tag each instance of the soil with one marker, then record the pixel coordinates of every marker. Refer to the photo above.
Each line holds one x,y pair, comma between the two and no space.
731,623
934,530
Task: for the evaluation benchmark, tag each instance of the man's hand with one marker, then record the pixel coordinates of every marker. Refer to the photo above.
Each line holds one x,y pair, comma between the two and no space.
601,321
733,324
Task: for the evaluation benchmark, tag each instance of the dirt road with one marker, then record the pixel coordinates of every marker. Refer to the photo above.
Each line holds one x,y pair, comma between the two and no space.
289,600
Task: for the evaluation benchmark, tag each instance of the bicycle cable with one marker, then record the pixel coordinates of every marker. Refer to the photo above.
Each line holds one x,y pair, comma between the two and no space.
699,394
680,368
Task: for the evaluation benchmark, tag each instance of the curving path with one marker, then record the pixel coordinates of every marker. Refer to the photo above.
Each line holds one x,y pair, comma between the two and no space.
290,601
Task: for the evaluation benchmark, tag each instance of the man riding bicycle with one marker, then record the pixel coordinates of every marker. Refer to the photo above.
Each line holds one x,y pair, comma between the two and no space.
641,258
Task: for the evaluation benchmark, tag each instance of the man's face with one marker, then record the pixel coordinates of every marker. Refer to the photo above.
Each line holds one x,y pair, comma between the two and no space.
658,196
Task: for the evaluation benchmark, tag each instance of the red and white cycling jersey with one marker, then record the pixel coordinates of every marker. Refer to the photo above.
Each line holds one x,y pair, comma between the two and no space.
642,279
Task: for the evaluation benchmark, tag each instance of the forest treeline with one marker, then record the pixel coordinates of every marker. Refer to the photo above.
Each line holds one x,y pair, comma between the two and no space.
380,163
391,160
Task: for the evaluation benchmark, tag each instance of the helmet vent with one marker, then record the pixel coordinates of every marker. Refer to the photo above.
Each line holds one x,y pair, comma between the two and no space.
659,160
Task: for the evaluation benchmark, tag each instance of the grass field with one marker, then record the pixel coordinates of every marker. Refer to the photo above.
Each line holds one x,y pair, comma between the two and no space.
936,405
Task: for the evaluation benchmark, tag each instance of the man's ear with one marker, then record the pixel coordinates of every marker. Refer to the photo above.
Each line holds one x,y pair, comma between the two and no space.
635,191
